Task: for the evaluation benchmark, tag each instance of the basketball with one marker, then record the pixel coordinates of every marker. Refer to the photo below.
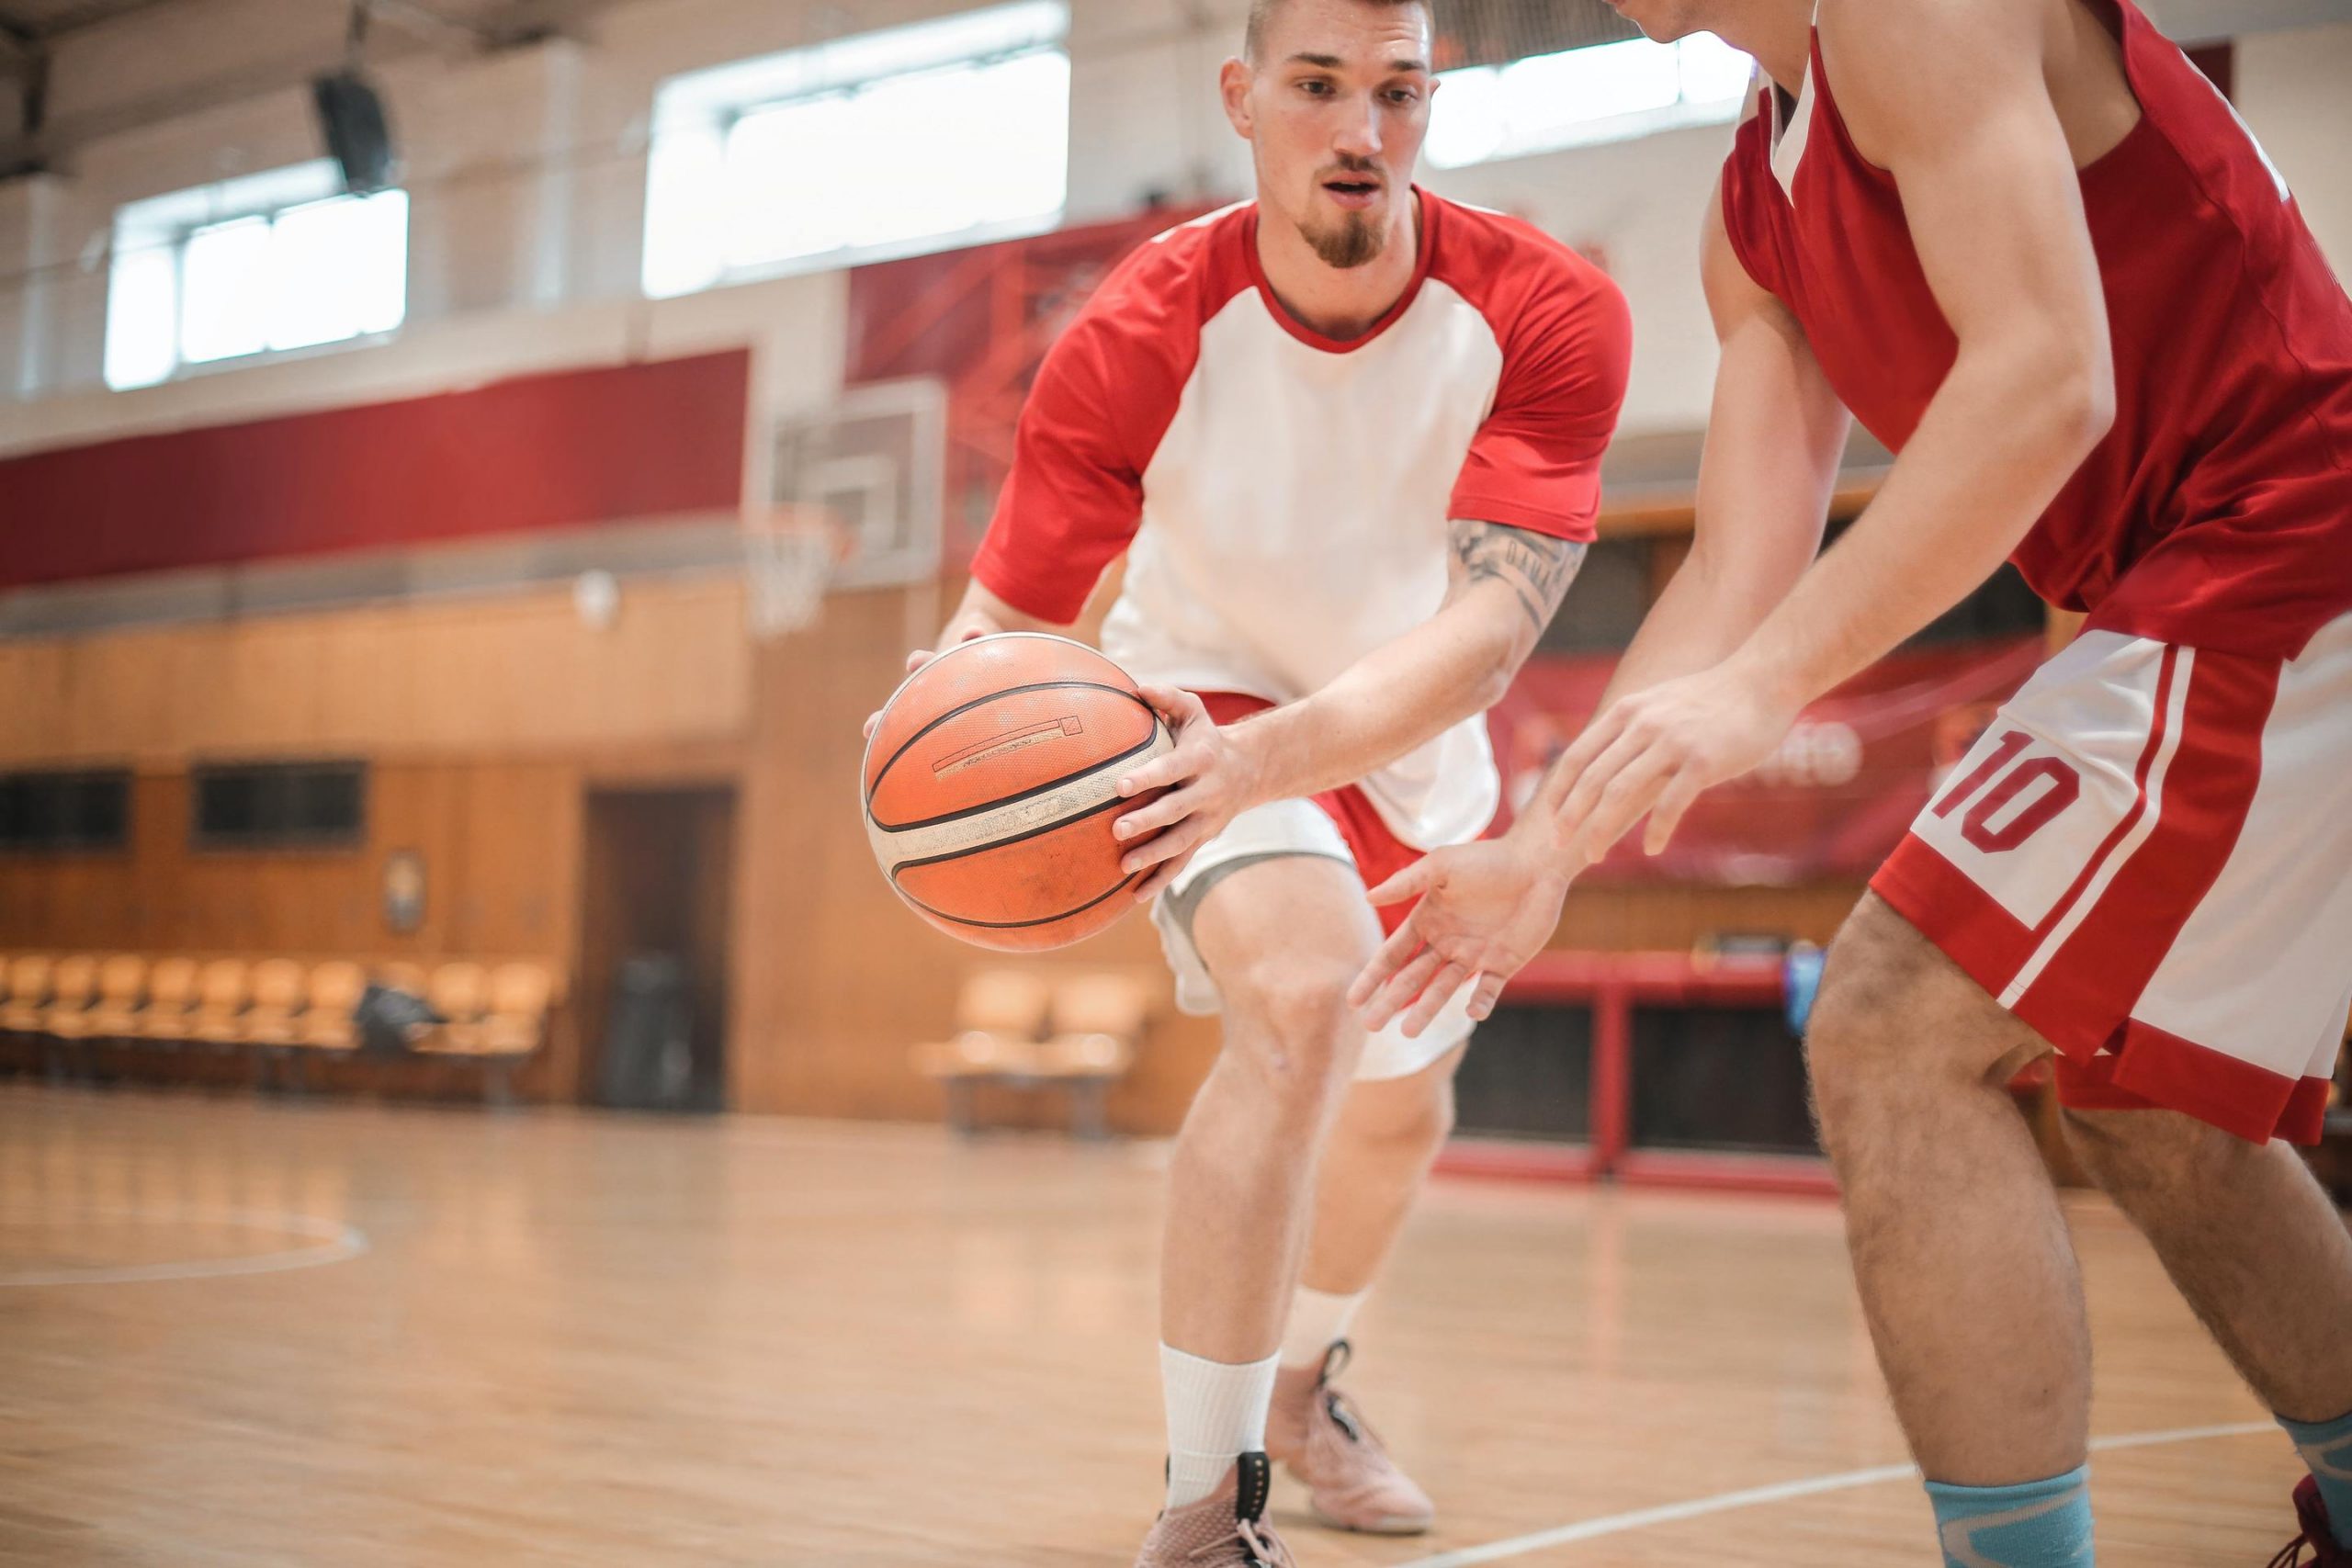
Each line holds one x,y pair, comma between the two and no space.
991,783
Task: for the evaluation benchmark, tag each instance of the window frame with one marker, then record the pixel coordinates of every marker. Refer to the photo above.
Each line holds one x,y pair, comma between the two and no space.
281,839
122,780
169,220
712,102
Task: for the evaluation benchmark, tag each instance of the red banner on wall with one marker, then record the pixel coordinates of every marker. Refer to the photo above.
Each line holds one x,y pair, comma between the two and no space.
612,444
1830,804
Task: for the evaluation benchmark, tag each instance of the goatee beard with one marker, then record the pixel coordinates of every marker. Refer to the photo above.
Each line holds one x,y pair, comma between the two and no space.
1356,240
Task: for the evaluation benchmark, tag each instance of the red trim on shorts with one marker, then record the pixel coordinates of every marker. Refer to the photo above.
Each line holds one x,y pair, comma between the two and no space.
2091,984
1380,853
2148,1068
2130,819
1955,914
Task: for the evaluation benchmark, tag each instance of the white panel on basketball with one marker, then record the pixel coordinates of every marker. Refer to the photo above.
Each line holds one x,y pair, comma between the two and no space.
1065,802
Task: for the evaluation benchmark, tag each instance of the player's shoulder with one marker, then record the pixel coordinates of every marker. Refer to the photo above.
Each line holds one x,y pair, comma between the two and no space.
1518,276
1510,269
1159,294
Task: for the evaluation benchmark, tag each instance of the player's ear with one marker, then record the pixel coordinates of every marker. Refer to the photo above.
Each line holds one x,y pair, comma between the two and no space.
1233,82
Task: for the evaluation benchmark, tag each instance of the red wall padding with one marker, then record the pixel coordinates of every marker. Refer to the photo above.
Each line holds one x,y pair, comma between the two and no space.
554,451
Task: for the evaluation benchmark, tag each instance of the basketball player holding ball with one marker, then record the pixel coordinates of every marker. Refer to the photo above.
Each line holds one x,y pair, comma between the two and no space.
2038,254
1349,436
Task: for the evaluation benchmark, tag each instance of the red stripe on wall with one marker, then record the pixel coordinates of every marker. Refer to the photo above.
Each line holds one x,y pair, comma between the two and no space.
554,451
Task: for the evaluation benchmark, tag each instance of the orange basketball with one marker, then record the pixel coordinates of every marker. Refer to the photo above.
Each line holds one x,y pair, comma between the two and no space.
993,782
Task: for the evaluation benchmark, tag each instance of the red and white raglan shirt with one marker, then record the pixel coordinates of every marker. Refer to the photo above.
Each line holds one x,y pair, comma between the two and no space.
2148,858
1283,498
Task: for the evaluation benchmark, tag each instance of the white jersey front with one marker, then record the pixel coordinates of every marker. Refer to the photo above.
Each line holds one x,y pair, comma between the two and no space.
1286,497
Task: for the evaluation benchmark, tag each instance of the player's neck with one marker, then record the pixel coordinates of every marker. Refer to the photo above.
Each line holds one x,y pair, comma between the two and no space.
1341,303
1780,37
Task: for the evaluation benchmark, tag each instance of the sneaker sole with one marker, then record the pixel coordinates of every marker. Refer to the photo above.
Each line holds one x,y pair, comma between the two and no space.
1407,1525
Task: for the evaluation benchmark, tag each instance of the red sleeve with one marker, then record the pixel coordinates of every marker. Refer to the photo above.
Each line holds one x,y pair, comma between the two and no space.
1535,464
1075,496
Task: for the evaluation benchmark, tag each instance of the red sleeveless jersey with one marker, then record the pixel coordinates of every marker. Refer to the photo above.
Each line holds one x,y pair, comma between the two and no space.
2218,512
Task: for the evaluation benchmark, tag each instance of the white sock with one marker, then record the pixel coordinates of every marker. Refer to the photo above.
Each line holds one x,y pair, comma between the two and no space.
1216,1413
1318,1322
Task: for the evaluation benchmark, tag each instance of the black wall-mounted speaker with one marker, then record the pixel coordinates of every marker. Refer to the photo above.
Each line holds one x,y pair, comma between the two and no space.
351,120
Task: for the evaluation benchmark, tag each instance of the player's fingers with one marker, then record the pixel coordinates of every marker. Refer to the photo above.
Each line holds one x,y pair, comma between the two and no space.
1182,839
873,722
1411,882
1393,955
1486,997
1182,763
1152,816
1582,801
917,659
1400,992
1177,706
1164,875
1621,803
1433,998
1667,814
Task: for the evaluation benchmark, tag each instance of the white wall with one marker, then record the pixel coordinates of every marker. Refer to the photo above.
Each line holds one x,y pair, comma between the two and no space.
527,179
2295,90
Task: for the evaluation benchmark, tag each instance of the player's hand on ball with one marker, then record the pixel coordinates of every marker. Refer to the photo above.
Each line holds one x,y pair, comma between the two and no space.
1655,751
1484,909
962,628
1211,778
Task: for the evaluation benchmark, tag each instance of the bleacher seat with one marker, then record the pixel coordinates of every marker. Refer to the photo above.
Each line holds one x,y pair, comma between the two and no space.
279,990
122,985
73,985
326,1023
220,1002
514,1021
28,978
171,992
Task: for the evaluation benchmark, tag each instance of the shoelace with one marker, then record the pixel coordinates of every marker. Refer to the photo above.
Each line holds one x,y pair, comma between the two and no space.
1344,1413
1260,1554
2292,1554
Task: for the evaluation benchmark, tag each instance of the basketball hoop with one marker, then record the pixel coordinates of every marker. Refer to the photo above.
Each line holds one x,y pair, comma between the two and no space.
788,558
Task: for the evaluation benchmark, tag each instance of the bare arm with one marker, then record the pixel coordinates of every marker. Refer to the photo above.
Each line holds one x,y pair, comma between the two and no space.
1949,95
1503,587
1775,435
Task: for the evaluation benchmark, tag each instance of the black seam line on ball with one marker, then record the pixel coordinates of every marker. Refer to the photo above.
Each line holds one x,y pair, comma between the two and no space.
1018,925
905,866
1000,803
896,756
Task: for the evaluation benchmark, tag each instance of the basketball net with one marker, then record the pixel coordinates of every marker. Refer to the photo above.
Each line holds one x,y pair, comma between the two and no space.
788,558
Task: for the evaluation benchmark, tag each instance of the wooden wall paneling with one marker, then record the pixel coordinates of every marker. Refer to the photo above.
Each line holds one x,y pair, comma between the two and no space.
478,676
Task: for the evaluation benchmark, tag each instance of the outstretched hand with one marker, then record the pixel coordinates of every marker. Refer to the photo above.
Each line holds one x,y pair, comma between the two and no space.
1655,751
1486,909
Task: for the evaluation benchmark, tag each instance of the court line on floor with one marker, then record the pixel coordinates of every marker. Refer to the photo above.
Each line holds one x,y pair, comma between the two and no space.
1756,1496
342,1243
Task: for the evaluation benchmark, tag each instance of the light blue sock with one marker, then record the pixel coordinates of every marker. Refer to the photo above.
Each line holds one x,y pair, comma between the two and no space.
2327,1449
2042,1524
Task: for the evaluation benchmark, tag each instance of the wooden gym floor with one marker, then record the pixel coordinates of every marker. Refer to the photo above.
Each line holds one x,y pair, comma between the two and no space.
236,1332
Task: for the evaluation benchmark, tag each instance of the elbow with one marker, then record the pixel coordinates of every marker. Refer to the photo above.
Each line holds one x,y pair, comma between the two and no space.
2071,393
2087,404
1494,680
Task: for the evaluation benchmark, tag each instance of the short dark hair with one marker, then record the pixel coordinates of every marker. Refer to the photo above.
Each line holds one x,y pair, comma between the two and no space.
1261,13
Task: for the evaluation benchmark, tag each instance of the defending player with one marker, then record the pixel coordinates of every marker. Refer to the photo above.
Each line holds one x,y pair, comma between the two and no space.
2031,247
1349,436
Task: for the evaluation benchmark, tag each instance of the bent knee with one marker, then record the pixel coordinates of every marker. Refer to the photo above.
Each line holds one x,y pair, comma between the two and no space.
1295,1015
2148,1149
1894,1010
1402,1117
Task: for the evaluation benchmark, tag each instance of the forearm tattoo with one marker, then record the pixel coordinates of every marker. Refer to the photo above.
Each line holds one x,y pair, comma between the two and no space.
1536,567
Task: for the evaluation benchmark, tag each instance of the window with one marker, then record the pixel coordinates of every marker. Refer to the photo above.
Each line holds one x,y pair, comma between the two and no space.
297,805
64,811
918,138
1606,92
271,261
